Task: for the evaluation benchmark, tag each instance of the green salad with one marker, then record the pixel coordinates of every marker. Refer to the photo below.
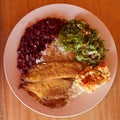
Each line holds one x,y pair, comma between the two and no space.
77,36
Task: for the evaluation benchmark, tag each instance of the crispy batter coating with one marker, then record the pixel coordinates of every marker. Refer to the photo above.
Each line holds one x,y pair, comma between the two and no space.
51,92
52,70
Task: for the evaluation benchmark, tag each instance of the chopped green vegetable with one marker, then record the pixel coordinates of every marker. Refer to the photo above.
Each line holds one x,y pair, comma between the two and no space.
77,36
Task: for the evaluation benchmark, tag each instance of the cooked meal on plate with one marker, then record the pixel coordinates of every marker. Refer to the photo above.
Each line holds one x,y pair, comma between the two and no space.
60,59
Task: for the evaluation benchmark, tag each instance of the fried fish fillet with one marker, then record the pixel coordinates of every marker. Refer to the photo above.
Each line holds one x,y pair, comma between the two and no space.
52,70
51,92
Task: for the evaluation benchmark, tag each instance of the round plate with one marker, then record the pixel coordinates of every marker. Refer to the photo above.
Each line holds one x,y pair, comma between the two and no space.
85,101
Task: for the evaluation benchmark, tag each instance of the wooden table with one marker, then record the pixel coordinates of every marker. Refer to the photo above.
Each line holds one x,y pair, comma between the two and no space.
11,11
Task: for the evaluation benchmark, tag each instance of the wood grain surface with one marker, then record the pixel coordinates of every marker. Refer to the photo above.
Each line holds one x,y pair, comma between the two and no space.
11,11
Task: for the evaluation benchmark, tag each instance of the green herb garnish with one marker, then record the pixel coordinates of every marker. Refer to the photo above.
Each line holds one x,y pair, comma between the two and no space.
77,36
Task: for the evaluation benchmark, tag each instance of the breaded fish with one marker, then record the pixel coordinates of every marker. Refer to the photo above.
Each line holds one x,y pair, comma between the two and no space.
51,92
52,70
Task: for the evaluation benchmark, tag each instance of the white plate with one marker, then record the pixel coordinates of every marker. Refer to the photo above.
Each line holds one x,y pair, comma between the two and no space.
85,101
